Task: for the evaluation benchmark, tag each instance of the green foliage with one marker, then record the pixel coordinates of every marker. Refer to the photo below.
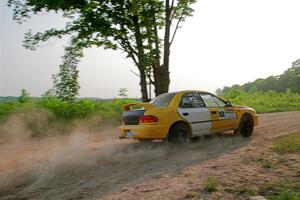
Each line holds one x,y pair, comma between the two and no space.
287,144
131,26
39,116
270,101
66,81
289,80
107,110
288,195
63,110
241,191
248,191
24,97
281,190
7,108
211,184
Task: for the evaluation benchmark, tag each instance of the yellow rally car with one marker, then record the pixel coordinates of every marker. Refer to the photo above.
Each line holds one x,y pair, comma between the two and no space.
179,116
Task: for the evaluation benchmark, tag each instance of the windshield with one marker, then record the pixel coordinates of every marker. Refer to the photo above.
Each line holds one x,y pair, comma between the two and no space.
163,100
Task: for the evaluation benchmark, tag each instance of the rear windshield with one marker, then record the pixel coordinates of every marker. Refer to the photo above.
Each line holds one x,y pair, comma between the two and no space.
163,100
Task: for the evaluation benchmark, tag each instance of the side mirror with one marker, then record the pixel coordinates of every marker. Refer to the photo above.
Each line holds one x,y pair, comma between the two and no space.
228,103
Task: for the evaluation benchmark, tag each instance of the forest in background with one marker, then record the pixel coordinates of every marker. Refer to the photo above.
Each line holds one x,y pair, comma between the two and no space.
290,79
272,94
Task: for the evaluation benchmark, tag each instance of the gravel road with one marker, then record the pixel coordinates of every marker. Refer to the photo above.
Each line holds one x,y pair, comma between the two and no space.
93,166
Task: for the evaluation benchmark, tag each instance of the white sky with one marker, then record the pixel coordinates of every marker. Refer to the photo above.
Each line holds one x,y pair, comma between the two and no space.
225,43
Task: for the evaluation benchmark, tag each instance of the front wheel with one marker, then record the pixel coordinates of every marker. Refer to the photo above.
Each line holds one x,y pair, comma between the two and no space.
245,127
179,134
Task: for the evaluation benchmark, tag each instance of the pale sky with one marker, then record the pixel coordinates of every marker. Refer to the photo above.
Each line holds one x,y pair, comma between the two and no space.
224,43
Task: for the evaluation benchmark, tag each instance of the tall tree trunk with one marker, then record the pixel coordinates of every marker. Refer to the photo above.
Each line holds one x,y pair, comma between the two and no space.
141,58
162,81
143,84
161,73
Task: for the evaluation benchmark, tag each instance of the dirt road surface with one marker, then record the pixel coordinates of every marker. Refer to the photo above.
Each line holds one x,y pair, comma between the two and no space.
95,166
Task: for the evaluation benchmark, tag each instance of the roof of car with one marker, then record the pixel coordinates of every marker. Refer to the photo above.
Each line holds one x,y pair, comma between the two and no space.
185,91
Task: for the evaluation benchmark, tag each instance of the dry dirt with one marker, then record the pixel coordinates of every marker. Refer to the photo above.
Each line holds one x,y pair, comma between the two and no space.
95,166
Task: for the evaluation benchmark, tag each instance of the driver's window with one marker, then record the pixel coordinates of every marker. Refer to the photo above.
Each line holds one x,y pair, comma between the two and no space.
191,100
212,101
220,102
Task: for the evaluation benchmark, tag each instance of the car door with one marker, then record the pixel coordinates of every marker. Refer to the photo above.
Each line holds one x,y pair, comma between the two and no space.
192,109
223,117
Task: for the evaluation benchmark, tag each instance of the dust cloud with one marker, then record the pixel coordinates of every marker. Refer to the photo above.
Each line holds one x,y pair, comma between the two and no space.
97,162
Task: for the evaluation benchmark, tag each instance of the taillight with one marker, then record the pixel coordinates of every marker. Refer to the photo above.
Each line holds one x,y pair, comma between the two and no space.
148,119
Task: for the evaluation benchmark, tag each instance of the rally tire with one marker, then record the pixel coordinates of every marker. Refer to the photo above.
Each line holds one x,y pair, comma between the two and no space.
180,134
246,126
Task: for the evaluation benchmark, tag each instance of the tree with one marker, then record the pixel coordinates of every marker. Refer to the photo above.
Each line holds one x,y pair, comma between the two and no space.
49,94
66,85
143,29
290,79
24,97
123,92
219,92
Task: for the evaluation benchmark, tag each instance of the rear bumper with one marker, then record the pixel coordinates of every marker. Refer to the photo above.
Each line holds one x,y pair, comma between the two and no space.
148,131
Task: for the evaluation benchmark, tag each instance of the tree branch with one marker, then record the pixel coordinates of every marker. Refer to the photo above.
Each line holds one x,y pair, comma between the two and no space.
135,73
178,22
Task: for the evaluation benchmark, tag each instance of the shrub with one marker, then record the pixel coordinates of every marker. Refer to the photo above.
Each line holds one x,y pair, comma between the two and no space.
265,102
211,184
288,195
49,113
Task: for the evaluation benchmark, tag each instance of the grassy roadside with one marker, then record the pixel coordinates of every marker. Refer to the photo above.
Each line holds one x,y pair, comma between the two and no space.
285,160
49,116
264,102
273,172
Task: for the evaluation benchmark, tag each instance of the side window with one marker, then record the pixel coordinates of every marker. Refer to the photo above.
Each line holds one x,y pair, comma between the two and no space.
212,101
191,100
220,102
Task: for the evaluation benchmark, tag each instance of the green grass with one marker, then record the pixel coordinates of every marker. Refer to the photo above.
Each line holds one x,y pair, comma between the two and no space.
281,191
211,184
241,191
288,189
264,162
264,102
288,194
52,116
287,144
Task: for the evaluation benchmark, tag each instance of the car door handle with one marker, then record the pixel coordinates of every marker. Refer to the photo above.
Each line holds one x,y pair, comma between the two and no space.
213,112
185,114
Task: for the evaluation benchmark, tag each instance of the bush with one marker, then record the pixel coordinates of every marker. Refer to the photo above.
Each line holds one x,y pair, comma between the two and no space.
265,101
288,195
51,113
211,184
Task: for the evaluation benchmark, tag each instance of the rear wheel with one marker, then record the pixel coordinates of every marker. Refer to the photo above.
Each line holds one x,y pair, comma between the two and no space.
245,127
179,134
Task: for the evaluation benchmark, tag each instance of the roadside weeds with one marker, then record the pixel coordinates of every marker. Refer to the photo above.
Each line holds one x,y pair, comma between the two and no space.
280,163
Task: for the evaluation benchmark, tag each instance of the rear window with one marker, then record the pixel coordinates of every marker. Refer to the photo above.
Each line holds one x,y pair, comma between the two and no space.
162,100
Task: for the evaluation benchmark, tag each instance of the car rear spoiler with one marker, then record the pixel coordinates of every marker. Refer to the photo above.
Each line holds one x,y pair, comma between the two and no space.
147,106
